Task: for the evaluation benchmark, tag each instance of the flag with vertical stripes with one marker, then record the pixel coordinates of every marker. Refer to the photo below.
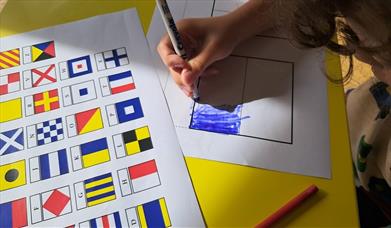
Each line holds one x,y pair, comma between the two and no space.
105,221
151,214
49,165
14,213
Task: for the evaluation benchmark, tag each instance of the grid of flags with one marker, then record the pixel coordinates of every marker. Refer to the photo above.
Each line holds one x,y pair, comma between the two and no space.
117,83
151,214
9,83
90,154
132,142
11,141
84,122
50,204
13,213
138,177
12,175
94,191
90,192
124,111
49,165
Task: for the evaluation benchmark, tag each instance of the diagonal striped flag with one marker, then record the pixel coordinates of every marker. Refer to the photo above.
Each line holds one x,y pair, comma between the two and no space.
10,58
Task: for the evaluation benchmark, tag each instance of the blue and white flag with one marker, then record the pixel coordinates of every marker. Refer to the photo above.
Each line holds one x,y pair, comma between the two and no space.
75,67
11,141
111,59
49,165
124,111
79,93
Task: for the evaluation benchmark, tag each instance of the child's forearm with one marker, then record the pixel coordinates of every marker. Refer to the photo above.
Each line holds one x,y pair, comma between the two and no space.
250,19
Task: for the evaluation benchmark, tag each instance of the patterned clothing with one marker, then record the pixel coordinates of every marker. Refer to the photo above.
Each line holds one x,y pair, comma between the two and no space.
369,114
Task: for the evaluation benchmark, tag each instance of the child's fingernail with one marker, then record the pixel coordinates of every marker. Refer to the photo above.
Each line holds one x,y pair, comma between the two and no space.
178,66
186,73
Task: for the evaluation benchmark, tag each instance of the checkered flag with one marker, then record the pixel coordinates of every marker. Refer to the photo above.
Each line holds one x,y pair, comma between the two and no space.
45,132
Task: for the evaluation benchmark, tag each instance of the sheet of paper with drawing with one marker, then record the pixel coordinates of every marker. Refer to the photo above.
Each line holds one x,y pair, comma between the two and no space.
86,137
267,108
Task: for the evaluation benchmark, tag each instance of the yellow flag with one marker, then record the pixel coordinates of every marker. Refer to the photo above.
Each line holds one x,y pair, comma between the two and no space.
12,175
10,110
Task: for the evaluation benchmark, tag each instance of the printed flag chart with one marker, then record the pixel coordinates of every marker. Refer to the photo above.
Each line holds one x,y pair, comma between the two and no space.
86,137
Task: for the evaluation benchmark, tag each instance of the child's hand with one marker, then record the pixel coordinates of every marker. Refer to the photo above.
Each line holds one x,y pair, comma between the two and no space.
206,40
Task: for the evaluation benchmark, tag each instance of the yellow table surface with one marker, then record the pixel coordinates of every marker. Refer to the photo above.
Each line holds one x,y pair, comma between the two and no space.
229,195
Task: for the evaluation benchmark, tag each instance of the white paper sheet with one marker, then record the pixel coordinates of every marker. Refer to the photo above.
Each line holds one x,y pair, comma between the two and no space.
274,97
139,170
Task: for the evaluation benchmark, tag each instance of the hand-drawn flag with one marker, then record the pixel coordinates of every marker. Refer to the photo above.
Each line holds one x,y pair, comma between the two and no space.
151,214
93,191
106,221
13,214
39,52
139,177
10,110
11,141
12,175
9,83
45,132
84,122
117,83
75,67
89,154
110,59
42,102
50,204
132,142
49,165
39,76
79,93
124,111
10,58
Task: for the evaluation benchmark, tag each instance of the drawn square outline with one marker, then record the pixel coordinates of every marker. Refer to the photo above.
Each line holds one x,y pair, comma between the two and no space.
249,136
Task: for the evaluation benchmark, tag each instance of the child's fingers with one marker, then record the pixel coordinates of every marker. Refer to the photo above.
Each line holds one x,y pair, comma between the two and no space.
198,65
210,72
165,48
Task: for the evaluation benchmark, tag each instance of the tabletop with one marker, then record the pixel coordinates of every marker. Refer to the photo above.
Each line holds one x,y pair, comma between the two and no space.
229,195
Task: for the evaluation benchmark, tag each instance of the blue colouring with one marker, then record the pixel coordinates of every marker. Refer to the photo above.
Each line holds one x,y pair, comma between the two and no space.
83,91
79,66
226,120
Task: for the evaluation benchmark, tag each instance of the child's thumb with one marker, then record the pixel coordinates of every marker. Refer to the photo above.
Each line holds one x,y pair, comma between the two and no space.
198,65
